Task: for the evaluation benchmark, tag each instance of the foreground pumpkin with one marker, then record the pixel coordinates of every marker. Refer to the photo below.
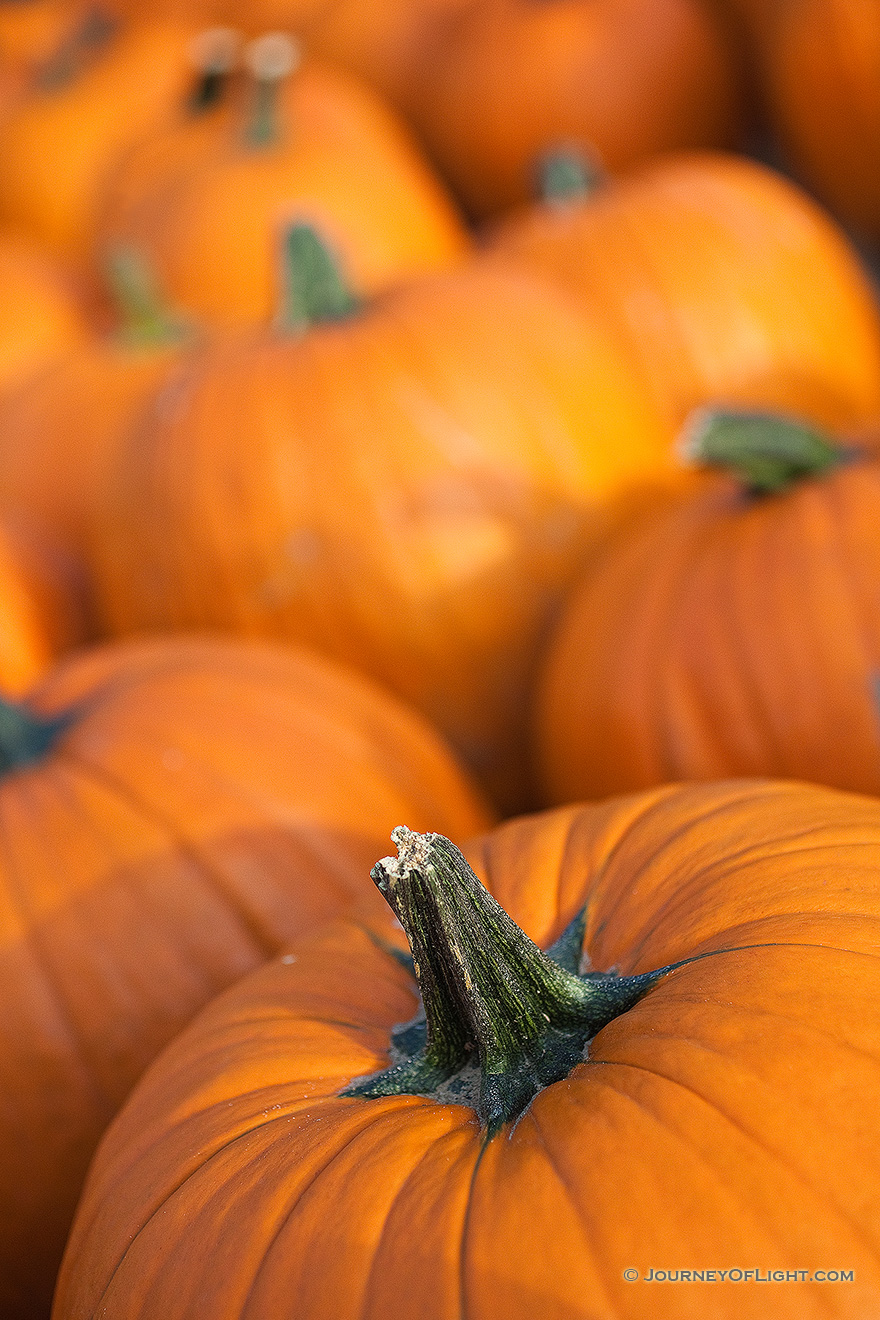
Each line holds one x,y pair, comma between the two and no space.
727,282
407,486
709,1104
735,632
172,813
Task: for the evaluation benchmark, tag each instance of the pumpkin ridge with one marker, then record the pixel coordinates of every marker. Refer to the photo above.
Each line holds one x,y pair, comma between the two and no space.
820,1197
28,934
183,845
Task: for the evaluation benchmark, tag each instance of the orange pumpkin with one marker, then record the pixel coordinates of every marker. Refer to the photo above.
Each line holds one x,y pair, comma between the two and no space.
38,610
40,314
209,202
729,285
708,1105
59,428
173,812
734,632
407,487
58,145
624,78
819,67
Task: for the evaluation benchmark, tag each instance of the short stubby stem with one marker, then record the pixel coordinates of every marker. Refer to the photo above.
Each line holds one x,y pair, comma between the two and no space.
767,452
24,736
493,1001
270,58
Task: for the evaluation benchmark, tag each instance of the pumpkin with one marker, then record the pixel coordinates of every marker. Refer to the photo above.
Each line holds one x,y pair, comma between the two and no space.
406,485
59,427
195,802
687,1080
36,36
38,614
729,284
624,78
736,631
819,67
58,145
40,313
209,202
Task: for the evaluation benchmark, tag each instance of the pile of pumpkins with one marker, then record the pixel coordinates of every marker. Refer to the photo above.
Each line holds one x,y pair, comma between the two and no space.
454,420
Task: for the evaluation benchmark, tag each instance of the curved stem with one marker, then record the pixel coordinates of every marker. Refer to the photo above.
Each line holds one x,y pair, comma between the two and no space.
767,452
313,289
215,53
492,998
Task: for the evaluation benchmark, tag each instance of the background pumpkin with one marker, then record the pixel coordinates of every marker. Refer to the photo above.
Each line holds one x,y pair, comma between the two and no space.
730,633
38,611
210,214
40,313
61,141
407,488
626,79
179,810
819,71
729,284
721,1120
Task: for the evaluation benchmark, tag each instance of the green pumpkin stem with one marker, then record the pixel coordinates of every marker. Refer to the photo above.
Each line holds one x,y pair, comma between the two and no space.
270,58
767,452
144,318
215,53
77,50
492,1000
24,736
568,174
314,291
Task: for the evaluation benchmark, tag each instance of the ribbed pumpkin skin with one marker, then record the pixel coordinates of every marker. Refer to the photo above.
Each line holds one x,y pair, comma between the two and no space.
59,429
59,144
820,66
209,210
728,635
210,801
730,285
408,490
40,317
625,78
724,1122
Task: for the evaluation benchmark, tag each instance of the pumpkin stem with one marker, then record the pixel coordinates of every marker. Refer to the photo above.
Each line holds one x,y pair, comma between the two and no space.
214,53
86,40
314,291
494,1004
568,174
270,59
766,451
145,320
25,737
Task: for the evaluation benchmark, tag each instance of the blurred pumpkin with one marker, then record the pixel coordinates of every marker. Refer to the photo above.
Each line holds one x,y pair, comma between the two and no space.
736,632
60,142
208,202
625,79
59,428
173,812
41,315
706,1103
407,486
38,611
819,70
728,283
